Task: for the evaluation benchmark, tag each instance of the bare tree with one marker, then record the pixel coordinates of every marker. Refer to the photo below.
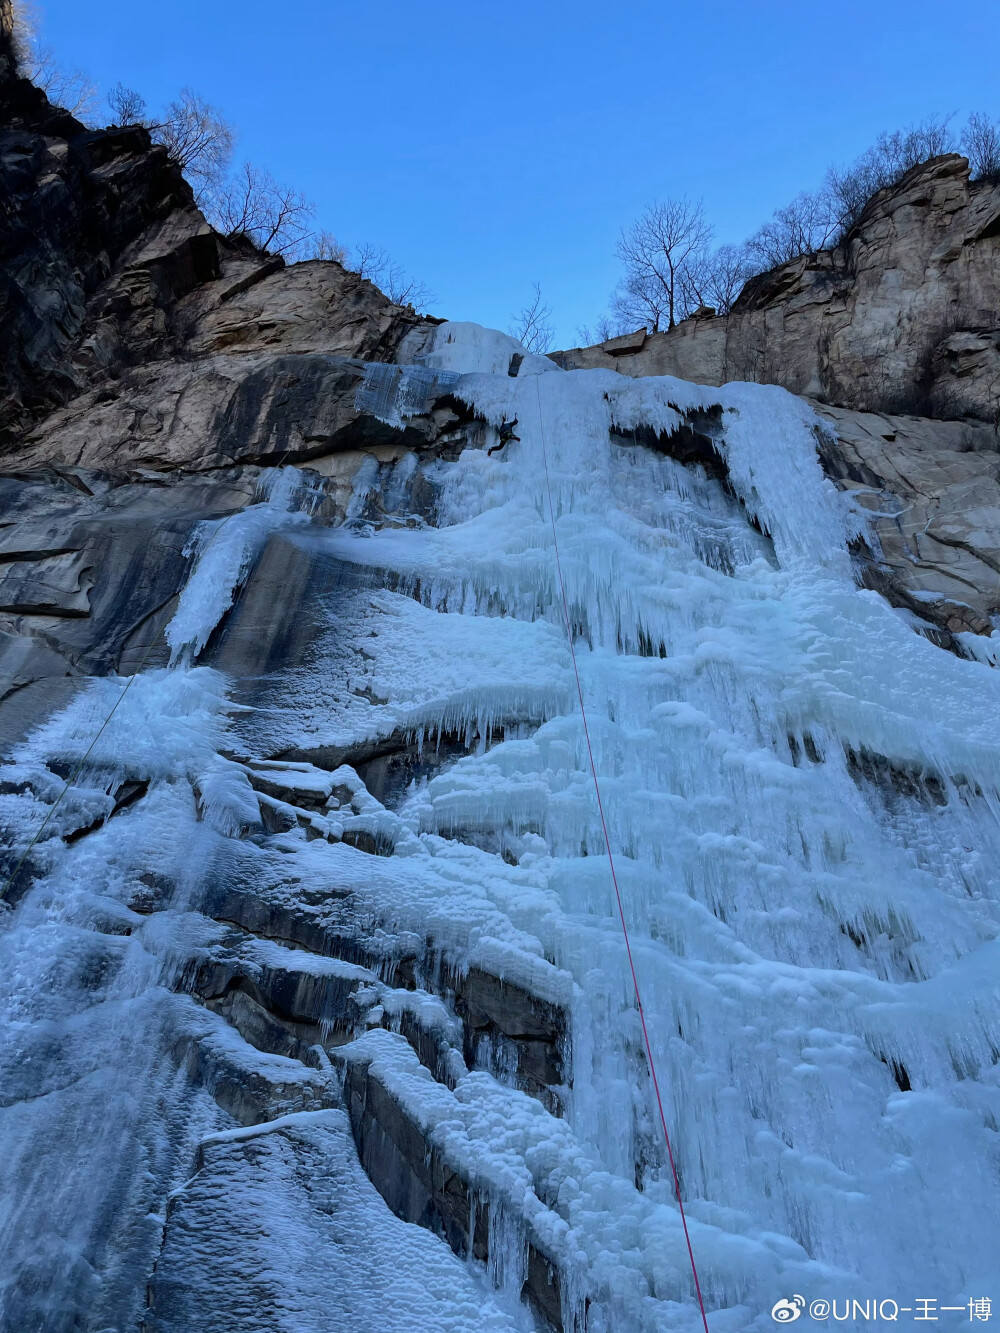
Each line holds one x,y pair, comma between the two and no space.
725,273
253,205
326,246
199,140
604,328
371,262
981,142
639,302
532,326
886,162
127,106
809,223
70,89
714,279
659,252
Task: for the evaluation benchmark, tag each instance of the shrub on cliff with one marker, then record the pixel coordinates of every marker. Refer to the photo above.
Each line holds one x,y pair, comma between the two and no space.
981,144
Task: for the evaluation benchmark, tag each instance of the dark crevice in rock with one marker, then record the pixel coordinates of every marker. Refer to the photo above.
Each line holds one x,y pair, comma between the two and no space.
506,1028
388,764
249,1095
531,1033
695,443
943,619
413,1179
284,1011
127,794
803,746
375,844
894,779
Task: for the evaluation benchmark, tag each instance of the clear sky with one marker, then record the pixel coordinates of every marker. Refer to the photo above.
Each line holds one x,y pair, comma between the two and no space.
486,145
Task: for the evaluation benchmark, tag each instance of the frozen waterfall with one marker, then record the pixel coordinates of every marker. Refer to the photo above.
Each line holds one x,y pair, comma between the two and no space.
801,796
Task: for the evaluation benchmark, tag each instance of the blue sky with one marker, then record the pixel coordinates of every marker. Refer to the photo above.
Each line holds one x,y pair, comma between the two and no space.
487,145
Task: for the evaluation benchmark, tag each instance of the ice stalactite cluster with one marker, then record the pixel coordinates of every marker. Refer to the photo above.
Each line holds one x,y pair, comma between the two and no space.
801,796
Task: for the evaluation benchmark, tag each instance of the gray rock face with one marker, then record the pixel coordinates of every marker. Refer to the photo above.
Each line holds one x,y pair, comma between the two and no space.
83,570
100,236
904,317
932,490
203,415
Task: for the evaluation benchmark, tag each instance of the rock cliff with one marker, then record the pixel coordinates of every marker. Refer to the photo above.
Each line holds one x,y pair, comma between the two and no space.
148,370
134,334
903,317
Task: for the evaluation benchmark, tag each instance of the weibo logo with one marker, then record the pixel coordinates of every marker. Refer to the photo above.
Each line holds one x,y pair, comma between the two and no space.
787,1311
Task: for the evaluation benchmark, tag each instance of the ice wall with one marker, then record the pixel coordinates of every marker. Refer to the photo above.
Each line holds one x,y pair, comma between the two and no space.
815,929
801,799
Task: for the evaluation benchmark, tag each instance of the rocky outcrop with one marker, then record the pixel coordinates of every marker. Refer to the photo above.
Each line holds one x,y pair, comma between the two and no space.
134,335
930,491
259,374
99,238
140,347
903,317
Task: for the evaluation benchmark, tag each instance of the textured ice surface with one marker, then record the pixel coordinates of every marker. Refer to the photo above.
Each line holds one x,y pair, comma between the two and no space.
312,1246
816,950
801,799
224,550
394,393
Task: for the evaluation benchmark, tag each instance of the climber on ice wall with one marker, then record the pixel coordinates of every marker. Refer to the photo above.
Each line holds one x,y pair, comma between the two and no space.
506,435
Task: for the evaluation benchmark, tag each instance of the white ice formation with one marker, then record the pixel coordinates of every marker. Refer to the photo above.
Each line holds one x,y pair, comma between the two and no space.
801,795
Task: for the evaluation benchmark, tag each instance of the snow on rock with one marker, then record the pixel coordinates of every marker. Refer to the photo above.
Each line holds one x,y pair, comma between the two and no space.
312,1245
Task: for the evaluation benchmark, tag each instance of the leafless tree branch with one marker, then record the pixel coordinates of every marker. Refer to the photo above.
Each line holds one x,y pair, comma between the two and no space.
253,205
68,88
604,328
660,250
326,246
127,106
809,223
532,326
198,138
981,142
373,263
886,162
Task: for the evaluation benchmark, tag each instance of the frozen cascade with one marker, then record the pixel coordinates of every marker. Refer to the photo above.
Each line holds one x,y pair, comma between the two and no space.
224,551
801,796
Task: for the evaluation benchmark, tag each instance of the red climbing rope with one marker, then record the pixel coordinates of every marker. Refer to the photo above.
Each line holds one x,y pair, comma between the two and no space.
611,860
